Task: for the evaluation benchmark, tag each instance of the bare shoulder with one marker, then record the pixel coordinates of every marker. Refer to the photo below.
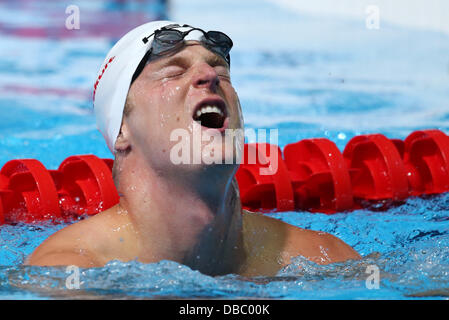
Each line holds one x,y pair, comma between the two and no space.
324,248
83,243
65,247
291,241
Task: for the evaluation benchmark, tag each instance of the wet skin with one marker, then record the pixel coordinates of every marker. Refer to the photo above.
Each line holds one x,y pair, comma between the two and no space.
188,213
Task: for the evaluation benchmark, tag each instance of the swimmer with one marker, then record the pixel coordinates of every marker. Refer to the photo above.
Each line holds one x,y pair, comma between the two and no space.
160,77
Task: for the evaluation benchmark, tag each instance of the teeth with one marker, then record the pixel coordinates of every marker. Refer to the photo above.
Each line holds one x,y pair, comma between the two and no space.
209,109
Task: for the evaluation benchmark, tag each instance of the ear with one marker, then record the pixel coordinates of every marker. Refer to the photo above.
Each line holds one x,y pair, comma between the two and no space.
122,143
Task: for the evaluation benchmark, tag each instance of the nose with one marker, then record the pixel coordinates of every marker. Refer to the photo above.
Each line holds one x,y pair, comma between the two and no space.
206,77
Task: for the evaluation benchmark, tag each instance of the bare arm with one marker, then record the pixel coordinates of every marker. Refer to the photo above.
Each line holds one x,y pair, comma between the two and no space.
290,241
61,258
337,250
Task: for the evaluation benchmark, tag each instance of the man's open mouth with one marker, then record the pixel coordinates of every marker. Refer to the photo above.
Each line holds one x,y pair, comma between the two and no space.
211,114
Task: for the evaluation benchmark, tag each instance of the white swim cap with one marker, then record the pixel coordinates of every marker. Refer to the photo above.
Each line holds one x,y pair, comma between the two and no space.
114,78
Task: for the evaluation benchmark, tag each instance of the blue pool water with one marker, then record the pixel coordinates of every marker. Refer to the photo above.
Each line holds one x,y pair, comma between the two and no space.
307,75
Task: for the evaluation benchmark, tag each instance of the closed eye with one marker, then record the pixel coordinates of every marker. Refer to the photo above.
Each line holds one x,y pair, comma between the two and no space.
173,71
222,72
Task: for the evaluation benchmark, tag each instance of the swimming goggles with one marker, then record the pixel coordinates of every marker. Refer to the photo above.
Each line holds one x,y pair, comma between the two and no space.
169,39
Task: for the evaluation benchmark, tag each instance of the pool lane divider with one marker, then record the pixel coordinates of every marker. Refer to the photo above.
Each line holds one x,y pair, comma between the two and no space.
29,192
309,175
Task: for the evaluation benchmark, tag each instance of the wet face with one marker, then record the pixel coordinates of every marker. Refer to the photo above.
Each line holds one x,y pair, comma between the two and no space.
184,106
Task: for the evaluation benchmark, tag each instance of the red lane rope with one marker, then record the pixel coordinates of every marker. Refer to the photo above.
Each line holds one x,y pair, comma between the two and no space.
311,174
